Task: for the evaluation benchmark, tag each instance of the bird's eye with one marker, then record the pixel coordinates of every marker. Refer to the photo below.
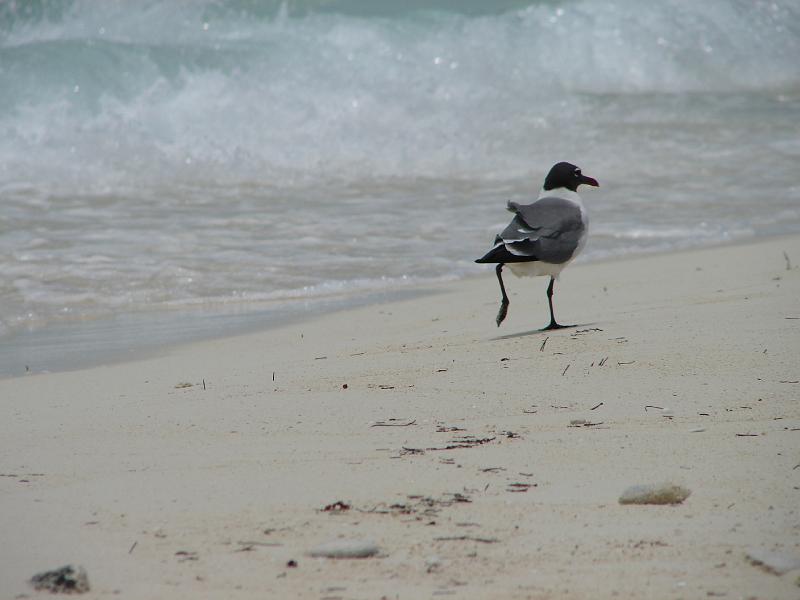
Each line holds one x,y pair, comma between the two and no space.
577,172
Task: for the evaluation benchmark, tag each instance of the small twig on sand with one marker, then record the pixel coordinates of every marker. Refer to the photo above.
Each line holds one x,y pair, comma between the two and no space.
456,444
407,450
132,547
746,435
630,362
465,442
565,370
204,384
394,423
265,544
597,406
541,348
464,538
788,262
520,487
447,428
250,546
651,406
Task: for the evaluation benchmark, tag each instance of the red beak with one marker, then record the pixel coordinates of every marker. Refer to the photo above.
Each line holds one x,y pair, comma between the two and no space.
589,181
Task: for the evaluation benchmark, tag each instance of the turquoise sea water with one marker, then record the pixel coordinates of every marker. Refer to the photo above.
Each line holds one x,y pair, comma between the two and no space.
239,157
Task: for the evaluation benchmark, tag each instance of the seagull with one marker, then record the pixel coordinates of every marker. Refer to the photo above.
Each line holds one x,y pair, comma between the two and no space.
543,237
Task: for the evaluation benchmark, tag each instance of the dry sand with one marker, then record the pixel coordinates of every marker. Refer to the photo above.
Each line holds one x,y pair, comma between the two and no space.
163,491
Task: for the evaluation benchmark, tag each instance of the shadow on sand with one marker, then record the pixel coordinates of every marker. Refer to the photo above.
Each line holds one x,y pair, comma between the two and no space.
511,336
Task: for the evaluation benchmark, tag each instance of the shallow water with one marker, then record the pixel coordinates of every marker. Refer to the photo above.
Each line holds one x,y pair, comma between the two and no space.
234,156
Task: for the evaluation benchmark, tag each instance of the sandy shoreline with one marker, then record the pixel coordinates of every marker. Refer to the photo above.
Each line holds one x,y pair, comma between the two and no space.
162,491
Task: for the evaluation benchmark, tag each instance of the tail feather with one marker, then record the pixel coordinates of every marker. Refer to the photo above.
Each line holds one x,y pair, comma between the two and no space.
501,254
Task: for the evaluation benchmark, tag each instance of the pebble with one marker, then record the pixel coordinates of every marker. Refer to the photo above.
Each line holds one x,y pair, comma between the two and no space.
345,549
773,561
662,493
432,563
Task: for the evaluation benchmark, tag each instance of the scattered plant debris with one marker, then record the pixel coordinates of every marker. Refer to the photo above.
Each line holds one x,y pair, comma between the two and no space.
337,507
467,441
421,507
773,561
66,580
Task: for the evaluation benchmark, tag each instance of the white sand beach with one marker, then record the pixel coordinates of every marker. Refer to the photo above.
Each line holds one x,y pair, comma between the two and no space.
196,474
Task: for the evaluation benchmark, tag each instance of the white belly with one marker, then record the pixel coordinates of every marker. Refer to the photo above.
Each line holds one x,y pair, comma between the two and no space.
536,268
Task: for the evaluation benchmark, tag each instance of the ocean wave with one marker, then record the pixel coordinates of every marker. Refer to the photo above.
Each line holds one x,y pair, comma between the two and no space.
111,91
159,155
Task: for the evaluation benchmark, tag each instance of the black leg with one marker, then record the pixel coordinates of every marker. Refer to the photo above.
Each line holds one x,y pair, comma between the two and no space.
553,324
501,314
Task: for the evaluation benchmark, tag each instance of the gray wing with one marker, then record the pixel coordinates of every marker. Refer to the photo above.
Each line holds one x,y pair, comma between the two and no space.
549,230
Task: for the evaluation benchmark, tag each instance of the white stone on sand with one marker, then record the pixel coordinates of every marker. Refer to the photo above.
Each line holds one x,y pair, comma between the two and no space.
660,493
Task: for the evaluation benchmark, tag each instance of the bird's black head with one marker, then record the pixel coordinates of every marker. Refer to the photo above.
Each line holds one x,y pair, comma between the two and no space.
566,175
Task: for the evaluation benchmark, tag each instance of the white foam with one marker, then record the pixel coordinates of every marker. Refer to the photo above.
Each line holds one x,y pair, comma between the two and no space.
272,156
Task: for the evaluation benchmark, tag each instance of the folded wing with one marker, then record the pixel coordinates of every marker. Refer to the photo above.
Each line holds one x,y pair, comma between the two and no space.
549,230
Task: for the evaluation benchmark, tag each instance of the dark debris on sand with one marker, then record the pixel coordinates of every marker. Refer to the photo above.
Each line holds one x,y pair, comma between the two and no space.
66,580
